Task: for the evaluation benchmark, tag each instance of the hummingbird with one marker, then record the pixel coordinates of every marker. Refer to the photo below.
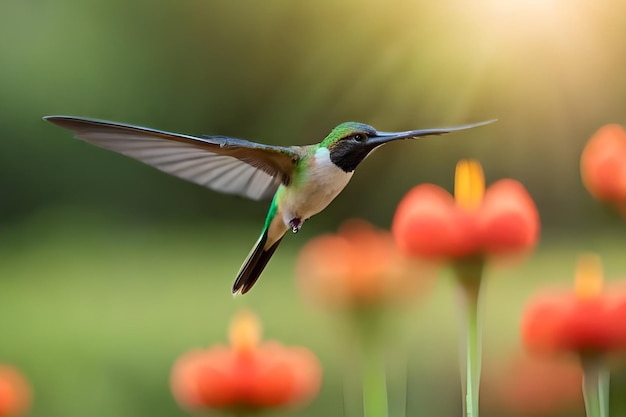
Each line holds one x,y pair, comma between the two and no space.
301,180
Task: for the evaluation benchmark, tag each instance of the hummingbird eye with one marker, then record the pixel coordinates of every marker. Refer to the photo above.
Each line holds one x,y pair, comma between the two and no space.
359,137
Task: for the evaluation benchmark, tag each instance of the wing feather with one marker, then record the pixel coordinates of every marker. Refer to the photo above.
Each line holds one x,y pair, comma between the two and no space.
221,163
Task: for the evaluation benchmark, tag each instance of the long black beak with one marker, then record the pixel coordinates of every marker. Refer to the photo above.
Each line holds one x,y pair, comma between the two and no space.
384,137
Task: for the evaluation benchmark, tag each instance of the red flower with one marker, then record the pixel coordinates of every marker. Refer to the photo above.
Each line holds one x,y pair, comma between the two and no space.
247,375
603,165
586,320
431,223
15,392
358,267
532,386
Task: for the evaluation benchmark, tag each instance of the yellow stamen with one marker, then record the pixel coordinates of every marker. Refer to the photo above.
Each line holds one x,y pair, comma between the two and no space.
469,184
245,331
589,279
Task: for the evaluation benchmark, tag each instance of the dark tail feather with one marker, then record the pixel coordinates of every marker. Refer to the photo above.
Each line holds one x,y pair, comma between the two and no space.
254,265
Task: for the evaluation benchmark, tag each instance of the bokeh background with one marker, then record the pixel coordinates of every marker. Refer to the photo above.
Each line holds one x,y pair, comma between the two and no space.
109,269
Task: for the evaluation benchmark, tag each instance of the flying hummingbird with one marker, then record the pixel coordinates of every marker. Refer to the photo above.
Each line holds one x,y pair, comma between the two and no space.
303,180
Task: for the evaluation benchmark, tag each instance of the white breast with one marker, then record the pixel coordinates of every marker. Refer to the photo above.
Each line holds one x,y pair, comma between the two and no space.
314,191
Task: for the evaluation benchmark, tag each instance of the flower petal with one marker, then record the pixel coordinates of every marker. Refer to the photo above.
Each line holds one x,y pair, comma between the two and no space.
15,392
603,164
563,322
508,220
359,266
428,224
266,376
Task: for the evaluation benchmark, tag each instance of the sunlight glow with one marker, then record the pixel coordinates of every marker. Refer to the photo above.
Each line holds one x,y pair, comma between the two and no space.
524,8
520,17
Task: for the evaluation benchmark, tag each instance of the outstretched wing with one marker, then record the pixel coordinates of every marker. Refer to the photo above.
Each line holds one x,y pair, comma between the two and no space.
221,163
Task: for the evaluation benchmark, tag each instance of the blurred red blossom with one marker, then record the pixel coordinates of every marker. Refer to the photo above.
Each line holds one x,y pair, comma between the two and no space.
15,393
431,223
586,320
467,230
603,165
526,385
248,375
359,266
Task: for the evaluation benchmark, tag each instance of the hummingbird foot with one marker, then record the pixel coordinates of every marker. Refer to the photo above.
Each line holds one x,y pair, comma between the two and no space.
295,224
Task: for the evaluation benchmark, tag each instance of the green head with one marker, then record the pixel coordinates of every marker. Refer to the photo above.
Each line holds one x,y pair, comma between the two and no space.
351,142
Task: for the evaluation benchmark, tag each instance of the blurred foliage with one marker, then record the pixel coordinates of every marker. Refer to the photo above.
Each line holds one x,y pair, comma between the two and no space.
109,270
96,316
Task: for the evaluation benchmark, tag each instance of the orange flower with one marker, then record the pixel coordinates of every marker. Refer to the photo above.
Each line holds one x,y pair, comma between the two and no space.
603,165
531,386
15,392
586,320
431,223
247,375
357,267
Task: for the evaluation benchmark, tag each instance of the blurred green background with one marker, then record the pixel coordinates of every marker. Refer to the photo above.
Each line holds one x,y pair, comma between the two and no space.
109,269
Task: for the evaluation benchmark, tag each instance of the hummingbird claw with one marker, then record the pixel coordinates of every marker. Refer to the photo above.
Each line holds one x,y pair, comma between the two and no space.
295,224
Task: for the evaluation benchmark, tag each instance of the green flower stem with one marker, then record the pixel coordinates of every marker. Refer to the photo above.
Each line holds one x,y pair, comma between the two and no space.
375,403
374,383
473,359
469,277
595,386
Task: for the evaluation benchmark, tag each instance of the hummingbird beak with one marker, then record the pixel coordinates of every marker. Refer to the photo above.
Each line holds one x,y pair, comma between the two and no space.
385,137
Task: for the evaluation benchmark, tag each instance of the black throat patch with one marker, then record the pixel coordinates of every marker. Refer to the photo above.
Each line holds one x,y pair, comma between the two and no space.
347,154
